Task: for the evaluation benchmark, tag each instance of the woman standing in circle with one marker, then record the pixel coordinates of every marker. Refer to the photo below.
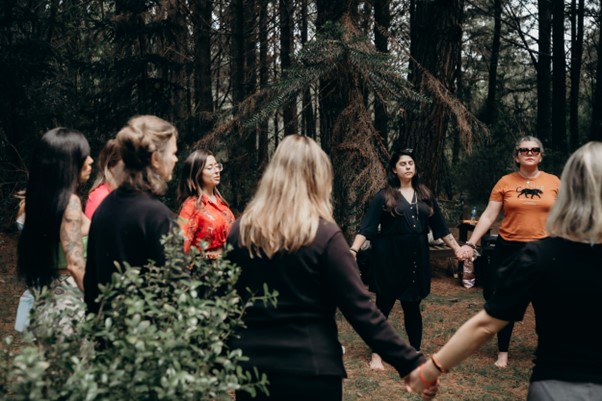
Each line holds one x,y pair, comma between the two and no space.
128,225
301,253
526,197
51,250
205,217
107,177
397,224
561,277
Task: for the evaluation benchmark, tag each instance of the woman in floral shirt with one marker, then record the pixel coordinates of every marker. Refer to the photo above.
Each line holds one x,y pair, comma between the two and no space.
205,216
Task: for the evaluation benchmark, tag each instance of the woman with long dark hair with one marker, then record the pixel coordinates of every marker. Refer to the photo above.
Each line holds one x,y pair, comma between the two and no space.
205,216
397,224
51,250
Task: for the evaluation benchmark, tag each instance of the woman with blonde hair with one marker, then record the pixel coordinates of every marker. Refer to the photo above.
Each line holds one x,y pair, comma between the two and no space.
128,225
107,177
205,216
562,277
287,239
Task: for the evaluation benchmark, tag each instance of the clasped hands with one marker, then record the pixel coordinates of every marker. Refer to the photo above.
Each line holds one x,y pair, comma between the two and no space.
415,382
465,252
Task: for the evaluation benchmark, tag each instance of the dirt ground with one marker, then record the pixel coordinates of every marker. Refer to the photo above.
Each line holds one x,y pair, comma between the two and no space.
10,288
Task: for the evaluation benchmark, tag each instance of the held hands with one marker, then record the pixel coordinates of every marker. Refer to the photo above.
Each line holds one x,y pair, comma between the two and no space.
417,383
465,252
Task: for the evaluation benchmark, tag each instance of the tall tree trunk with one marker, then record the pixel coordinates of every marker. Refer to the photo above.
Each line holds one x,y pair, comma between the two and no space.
333,98
544,74
203,95
308,120
289,114
436,34
490,111
559,140
577,14
596,128
243,150
262,149
382,23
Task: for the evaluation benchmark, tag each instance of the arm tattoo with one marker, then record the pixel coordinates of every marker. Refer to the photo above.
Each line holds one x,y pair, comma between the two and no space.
71,238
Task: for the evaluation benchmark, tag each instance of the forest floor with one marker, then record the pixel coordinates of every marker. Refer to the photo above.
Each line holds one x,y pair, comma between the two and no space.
448,306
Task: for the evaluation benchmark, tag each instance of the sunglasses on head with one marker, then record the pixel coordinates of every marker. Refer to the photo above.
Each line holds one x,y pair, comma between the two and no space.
524,151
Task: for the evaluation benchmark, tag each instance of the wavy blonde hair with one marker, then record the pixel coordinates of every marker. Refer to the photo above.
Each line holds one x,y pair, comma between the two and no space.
577,213
138,140
294,193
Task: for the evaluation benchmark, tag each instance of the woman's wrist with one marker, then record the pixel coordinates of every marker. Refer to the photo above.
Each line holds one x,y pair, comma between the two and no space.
470,244
353,250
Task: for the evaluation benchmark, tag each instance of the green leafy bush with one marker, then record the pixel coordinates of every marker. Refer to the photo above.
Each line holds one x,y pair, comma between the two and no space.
161,335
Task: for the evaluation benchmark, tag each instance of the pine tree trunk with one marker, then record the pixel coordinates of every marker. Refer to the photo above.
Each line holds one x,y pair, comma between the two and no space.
544,74
262,149
490,113
596,128
382,23
203,95
577,15
559,140
289,114
436,34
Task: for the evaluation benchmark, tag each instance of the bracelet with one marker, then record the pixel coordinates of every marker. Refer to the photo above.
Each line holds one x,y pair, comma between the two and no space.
353,250
438,366
423,379
470,244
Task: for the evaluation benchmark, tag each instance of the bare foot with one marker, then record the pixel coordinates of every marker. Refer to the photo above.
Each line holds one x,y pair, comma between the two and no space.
376,363
502,360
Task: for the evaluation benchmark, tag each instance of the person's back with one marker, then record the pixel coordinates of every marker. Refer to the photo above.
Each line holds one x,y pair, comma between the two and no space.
126,227
565,302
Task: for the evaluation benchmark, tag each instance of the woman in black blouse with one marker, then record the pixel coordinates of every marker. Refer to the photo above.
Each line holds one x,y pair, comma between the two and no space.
301,253
397,224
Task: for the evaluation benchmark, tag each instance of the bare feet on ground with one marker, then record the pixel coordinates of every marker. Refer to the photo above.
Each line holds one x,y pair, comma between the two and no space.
376,363
502,360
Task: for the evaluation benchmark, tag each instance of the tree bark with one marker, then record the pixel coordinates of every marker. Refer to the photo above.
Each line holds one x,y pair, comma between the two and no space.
308,116
436,34
382,23
596,128
577,15
559,140
490,111
289,113
203,95
544,74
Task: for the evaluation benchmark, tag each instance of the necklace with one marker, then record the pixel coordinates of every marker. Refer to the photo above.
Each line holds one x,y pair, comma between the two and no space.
531,176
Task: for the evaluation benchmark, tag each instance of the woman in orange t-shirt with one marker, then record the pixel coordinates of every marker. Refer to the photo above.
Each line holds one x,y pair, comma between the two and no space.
526,197
205,216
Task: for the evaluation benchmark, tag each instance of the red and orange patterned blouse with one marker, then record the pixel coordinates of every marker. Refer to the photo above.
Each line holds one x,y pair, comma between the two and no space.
205,221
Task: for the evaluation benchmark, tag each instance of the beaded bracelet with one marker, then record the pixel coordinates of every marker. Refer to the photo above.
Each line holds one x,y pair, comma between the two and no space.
353,250
470,244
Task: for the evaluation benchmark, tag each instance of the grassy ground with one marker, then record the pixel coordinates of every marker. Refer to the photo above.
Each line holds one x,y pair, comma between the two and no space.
448,306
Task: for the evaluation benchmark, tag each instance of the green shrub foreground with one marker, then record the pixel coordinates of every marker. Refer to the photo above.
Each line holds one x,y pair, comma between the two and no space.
162,335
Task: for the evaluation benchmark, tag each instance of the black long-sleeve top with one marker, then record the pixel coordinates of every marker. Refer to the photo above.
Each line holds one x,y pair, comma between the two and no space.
299,336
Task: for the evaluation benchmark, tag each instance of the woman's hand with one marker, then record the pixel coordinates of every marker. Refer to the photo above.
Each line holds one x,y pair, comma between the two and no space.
417,382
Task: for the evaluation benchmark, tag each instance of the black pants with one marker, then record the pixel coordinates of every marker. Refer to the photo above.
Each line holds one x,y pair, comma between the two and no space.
504,253
298,388
412,318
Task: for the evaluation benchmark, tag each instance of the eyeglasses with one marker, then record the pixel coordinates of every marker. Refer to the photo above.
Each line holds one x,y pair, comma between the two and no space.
524,151
217,166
